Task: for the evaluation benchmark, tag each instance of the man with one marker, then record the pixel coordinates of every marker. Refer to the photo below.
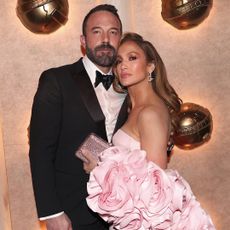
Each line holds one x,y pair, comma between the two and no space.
69,105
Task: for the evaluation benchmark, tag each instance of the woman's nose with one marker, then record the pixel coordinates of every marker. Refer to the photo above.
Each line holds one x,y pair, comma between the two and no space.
123,65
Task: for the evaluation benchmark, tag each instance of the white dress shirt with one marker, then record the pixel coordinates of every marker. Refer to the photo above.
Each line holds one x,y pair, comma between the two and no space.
109,100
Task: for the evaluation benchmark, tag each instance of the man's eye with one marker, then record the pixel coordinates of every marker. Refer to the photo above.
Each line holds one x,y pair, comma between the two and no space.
114,32
96,31
132,58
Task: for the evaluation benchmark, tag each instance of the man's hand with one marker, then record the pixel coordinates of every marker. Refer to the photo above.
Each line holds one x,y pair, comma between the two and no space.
61,222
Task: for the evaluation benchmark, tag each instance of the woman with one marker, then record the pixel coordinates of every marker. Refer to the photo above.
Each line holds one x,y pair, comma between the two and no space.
153,102
131,187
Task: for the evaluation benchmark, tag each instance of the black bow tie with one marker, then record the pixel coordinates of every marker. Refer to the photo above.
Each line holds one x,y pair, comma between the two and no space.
106,80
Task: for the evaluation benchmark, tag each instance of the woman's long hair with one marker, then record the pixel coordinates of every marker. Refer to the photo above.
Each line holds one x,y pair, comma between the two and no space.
160,82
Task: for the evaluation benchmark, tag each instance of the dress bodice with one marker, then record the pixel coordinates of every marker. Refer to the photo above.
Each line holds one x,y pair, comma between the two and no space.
121,138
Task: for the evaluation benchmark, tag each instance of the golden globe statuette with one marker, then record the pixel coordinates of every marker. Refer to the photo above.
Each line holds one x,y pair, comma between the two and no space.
42,16
195,126
185,14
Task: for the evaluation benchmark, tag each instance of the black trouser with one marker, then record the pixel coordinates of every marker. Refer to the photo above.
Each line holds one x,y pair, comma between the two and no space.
99,225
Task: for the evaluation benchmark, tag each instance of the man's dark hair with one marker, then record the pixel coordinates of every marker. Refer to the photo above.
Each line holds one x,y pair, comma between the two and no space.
104,7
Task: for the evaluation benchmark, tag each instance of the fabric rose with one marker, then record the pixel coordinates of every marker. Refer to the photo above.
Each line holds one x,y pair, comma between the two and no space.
113,153
181,191
136,165
156,194
192,217
131,221
109,194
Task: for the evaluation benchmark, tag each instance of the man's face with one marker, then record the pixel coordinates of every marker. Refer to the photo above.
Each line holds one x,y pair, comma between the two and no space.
103,33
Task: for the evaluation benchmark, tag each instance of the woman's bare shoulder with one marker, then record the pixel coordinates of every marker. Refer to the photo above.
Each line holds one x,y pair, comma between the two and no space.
153,113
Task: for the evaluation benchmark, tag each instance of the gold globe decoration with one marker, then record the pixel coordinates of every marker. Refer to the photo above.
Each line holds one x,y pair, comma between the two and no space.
42,16
185,14
195,126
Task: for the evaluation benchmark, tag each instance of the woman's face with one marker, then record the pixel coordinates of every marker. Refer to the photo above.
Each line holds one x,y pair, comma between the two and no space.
131,64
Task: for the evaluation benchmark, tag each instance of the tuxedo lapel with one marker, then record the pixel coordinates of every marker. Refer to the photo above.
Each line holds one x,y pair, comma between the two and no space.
122,116
89,97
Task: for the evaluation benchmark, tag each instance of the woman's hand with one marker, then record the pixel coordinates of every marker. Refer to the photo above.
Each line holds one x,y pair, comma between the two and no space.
91,162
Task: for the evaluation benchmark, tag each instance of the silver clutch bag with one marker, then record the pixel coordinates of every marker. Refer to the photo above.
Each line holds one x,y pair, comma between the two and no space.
94,145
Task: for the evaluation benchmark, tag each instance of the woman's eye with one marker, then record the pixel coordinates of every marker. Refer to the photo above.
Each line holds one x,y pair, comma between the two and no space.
132,58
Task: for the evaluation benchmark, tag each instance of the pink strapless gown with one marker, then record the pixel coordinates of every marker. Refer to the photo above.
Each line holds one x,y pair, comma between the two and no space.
131,193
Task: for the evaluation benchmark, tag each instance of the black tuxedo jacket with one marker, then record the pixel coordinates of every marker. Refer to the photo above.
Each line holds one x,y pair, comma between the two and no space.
65,110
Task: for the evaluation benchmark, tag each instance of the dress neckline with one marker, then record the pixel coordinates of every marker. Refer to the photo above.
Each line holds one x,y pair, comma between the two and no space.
124,132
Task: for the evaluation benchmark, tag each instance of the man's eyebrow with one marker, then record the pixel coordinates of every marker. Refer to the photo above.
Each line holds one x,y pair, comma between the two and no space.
114,28
98,27
95,27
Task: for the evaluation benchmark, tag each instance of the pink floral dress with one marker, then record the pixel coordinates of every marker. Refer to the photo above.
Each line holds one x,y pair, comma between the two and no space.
132,193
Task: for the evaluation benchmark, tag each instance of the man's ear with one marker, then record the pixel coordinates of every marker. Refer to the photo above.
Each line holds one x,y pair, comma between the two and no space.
83,41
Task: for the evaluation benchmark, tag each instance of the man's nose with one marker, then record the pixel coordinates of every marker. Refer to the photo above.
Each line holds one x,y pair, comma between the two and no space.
105,37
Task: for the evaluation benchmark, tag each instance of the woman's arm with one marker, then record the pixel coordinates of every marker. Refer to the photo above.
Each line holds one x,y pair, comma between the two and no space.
153,127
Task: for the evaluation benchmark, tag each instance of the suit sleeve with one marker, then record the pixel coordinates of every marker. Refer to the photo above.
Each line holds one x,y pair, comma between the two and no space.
44,134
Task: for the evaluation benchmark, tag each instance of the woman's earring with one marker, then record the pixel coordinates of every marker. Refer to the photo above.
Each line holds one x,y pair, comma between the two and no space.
150,77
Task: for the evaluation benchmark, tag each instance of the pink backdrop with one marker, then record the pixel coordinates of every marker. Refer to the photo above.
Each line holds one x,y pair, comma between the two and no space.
197,61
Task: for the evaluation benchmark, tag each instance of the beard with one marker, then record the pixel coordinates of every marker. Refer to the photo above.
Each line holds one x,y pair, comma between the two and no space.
103,55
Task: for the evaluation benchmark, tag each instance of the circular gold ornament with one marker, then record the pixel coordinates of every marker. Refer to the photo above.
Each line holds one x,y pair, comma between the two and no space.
42,16
195,126
185,14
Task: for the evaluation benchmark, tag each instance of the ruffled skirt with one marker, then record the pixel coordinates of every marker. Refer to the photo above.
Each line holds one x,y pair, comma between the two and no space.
132,193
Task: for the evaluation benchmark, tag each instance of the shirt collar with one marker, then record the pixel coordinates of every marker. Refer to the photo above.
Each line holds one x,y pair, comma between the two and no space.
91,69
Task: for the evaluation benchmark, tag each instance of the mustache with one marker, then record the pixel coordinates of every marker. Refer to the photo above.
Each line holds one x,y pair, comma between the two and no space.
105,46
